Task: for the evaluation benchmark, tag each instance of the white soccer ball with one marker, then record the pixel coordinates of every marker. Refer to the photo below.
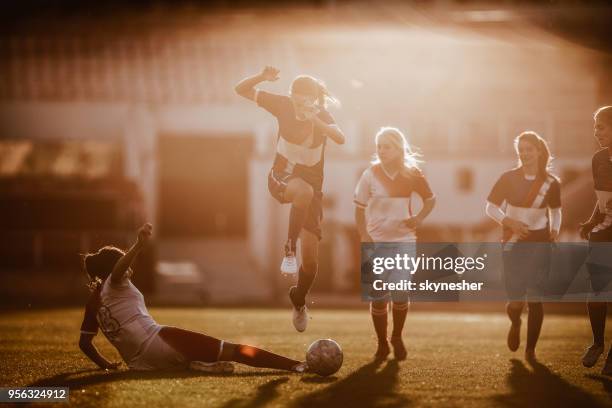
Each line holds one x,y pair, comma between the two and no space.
324,357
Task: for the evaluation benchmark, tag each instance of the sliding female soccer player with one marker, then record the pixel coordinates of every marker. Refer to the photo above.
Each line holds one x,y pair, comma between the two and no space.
383,214
117,307
598,229
532,214
296,177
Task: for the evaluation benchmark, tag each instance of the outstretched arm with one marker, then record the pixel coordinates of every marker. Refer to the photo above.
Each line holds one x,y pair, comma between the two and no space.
246,87
122,265
87,347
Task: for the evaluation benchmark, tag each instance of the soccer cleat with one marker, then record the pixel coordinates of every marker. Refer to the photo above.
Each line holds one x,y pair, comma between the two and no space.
399,350
300,368
382,351
300,312
591,355
300,318
289,264
218,367
607,368
514,336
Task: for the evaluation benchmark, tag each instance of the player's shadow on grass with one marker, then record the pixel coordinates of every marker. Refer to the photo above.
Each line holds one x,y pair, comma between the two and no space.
76,379
367,387
265,394
542,388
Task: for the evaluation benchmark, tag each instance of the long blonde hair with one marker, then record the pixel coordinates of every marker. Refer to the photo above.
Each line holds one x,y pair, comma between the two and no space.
397,139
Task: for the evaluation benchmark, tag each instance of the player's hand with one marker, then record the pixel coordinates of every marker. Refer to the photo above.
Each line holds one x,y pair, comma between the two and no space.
585,229
554,236
412,222
144,233
270,73
518,228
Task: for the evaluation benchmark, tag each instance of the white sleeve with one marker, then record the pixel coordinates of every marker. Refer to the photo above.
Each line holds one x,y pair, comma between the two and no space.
362,190
495,212
555,219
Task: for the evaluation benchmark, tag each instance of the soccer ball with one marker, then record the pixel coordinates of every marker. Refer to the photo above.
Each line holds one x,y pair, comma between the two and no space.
324,357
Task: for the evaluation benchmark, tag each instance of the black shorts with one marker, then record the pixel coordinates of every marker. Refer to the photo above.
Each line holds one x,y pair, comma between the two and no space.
526,266
597,264
277,184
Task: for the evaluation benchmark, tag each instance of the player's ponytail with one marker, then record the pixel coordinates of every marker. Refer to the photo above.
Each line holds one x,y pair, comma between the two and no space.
100,264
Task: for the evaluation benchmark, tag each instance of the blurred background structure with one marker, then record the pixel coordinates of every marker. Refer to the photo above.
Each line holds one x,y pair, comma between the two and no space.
111,115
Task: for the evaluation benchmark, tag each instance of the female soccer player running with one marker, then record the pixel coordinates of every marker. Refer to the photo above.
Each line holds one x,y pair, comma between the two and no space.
296,177
598,229
532,214
117,307
383,214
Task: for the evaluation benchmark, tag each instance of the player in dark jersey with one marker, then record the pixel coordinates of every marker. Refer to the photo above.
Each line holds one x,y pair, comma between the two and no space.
383,213
526,201
598,229
296,177
117,307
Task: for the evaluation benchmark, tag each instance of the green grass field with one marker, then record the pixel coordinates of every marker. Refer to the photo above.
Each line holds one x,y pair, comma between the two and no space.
455,359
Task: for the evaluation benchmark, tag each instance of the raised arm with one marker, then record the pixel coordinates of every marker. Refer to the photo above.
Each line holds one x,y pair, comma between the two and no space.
122,265
246,87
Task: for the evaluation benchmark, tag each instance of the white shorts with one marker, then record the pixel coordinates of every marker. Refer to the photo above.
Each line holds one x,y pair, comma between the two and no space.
158,355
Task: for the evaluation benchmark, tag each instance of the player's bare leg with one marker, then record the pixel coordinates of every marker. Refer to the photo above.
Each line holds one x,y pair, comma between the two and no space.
514,310
214,354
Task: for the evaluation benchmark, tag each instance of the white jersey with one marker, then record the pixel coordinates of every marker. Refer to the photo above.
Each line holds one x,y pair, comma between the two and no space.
387,202
125,321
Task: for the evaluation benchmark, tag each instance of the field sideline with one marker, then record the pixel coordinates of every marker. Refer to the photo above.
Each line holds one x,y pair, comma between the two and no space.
455,359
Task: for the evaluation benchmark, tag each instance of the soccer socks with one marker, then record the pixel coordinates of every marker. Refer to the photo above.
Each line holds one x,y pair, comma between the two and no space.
297,218
306,277
400,310
535,317
597,316
379,319
256,357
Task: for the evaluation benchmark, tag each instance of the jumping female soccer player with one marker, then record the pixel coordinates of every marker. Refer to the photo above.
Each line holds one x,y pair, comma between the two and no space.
383,214
117,307
297,173
532,214
598,229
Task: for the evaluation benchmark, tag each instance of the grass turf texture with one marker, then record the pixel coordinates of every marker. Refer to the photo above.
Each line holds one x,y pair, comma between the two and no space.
455,359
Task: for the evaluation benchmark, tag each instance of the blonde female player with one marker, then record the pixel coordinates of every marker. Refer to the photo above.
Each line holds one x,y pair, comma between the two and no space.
296,177
598,229
383,214
117,307
526,201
